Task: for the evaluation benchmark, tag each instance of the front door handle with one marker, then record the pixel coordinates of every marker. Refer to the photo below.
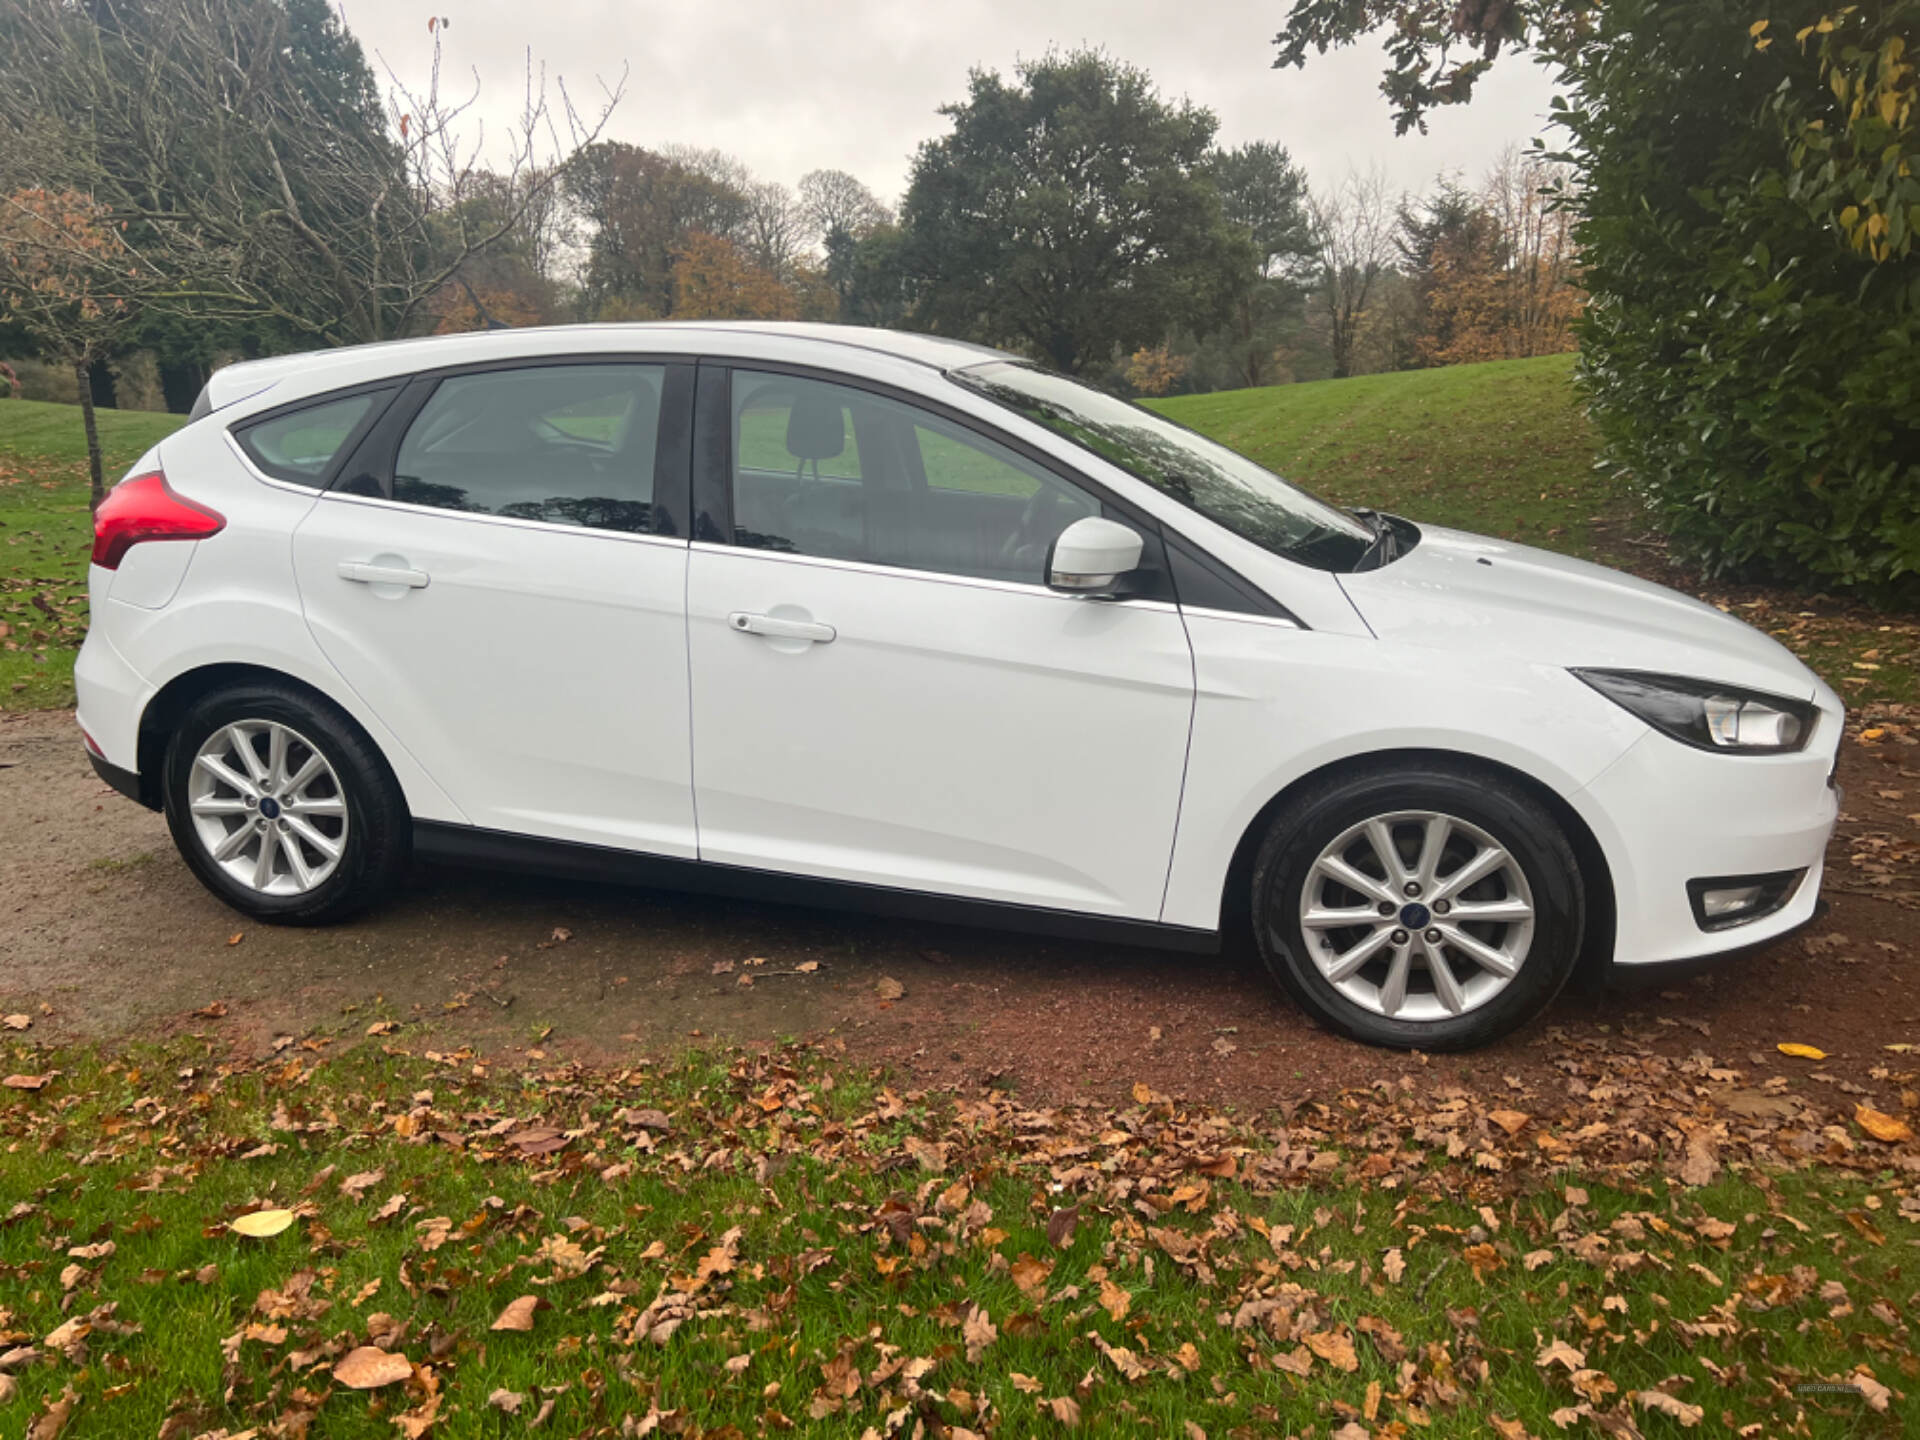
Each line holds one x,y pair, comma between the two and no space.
773,625
362,573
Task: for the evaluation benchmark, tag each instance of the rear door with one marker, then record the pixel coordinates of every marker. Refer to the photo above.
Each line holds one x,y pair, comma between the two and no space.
885,690
500,573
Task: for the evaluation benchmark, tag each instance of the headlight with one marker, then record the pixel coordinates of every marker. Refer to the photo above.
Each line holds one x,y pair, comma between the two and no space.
1709,717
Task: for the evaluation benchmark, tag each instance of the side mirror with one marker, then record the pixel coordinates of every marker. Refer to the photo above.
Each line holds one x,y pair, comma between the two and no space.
1091,555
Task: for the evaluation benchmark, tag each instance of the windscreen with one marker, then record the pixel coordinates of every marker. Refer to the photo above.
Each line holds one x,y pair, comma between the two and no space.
1220,484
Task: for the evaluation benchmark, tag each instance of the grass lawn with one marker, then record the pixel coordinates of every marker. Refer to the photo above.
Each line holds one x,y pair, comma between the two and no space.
740,1245
46,532
1499,448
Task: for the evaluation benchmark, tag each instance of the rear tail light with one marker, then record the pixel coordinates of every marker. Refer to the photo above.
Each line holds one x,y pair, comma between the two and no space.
146,508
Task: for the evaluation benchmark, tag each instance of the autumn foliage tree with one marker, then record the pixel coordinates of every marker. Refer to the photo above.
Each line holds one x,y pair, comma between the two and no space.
68,279
714,280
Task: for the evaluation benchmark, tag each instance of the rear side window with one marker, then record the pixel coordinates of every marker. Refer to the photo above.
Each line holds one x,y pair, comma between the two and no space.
299,445
561,444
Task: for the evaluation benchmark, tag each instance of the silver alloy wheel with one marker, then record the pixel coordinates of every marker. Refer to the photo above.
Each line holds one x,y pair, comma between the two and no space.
267,807
1417,915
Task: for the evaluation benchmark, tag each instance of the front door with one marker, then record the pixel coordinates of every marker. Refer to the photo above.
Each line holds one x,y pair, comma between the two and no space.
885,691
500,596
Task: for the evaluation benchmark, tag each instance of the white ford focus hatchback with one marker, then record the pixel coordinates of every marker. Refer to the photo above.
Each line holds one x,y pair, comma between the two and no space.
817,613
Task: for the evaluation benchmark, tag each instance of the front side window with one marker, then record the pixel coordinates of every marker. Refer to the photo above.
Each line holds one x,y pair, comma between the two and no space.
845,474
563,444
299,446
1226,487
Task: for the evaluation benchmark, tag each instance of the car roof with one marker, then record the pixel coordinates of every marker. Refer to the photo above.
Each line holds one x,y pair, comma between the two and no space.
346,364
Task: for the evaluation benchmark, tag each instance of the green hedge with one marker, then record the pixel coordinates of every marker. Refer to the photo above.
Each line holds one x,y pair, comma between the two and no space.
1752,349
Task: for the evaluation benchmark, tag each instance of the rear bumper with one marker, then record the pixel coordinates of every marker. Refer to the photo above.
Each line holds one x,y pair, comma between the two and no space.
127,782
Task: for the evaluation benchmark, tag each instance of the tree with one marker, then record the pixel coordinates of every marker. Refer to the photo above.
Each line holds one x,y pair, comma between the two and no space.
841,213
1426,38
69,280
1529,199
1749,348
1264,193
1069,213
712,280
834,201
640,207
775,228
245,146
1353,226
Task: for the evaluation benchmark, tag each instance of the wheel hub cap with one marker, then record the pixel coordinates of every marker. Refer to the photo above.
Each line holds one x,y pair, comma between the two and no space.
267,807
1447,953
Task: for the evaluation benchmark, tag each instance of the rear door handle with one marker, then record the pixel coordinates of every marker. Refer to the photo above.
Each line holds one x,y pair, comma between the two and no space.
362,573
750,624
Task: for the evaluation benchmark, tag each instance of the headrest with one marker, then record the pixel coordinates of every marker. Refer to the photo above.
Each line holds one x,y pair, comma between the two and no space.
816,427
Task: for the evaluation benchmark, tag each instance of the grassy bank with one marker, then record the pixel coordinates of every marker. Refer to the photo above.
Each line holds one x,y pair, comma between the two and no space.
739,1245
1499,448
46,531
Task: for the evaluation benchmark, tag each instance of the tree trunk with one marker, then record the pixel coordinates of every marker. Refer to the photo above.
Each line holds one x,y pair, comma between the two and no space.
96,467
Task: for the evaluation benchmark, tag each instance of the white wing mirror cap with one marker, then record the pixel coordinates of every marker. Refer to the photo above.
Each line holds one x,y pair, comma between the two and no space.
1092,554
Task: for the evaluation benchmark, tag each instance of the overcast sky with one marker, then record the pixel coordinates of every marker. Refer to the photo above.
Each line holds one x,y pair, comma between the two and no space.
795,85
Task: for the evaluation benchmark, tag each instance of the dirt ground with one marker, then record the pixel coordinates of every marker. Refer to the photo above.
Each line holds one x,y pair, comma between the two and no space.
104,933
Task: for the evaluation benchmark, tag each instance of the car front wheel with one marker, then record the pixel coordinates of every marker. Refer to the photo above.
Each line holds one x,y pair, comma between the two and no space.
1421,908
282,807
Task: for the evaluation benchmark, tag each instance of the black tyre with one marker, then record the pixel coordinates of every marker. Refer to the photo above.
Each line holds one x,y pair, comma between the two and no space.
1418,907
283,807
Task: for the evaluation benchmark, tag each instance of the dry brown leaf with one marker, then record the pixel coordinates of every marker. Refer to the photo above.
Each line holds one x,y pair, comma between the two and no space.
355,1187
507,1401
17,1022
29,1082
1336,1348
54,1418
1881,1126
1115,1300
519,1313
1687,1415
1031,1276
889,988
1561,1353
1395,1264
978,1331
1483,1258
369,1367
926,1155
1065,1409
1060,1226
1511,1121
1025,1384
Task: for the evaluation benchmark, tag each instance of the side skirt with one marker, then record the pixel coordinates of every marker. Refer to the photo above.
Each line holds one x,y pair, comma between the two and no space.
498,850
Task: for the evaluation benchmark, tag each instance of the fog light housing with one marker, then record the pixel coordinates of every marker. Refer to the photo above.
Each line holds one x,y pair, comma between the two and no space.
1724,901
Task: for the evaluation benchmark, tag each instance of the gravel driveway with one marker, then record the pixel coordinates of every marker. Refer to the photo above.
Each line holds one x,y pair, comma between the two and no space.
103,933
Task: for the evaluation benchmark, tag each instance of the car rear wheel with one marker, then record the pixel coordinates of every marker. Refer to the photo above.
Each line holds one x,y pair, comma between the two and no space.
1422,908
282,807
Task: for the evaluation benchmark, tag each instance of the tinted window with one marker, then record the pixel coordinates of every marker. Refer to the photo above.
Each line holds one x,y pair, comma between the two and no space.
301,445
842,473
566,444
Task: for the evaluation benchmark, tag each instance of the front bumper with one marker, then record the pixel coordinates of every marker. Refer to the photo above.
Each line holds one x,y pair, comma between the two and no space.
1666,814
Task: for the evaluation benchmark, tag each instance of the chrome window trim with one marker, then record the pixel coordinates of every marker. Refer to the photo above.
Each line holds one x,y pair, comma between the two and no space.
1243,617
938,577
511,521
